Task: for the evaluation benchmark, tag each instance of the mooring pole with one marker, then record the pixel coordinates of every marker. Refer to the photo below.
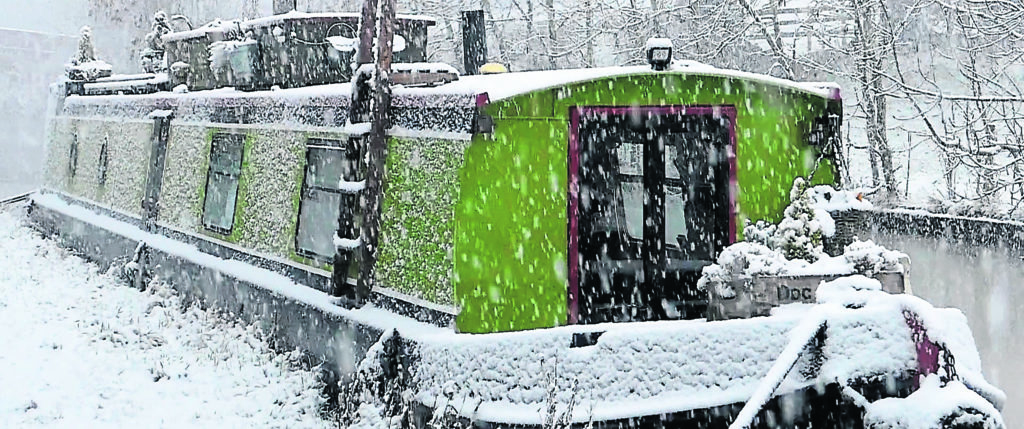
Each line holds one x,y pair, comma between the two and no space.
367,31
359,112
376,151
371,102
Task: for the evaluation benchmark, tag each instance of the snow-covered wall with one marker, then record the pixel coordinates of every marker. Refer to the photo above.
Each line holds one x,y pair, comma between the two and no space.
180,203
128,150
275,126
268,195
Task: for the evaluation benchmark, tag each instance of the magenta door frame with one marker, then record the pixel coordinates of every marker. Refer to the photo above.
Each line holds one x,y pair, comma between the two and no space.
575,113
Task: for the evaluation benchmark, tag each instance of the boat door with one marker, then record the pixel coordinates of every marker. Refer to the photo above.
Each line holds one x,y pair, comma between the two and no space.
651,208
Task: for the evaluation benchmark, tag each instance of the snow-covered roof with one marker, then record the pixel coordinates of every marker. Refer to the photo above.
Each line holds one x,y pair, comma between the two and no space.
496,86
124,82
215,26
294,15
223,26
332,90
506,85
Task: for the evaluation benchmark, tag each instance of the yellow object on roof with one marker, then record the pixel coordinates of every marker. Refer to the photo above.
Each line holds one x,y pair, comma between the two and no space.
493,68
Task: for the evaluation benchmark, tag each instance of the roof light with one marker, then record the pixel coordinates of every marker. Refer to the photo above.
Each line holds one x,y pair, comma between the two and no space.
659,52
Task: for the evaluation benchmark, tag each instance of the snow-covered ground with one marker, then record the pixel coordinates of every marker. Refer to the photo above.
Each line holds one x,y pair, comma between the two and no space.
81,349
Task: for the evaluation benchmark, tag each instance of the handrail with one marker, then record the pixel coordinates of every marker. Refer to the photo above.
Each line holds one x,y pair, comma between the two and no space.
803,334
16,198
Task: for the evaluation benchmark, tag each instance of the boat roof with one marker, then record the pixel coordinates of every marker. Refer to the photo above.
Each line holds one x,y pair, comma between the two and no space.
224,25
294,15
467,89
507,85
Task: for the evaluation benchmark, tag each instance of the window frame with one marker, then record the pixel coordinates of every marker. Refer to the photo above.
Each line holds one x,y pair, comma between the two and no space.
210,172
103,163
73,156
343,147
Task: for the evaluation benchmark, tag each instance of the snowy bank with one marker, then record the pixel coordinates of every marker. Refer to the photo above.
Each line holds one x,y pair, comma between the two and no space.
81,349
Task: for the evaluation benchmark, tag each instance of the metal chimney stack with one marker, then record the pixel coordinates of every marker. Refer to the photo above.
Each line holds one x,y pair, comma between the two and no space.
283,6
474,40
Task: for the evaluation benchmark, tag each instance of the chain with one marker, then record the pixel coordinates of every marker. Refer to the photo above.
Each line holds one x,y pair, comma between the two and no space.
948,364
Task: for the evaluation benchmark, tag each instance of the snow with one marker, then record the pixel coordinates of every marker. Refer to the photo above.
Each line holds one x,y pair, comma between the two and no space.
217,26
343,44
92,70
124,77
799,338
652,368
357,129
295,15
162,113
841,289
748,259
506,85
121,85
81,349
424,67
829,199
931,405
459,93
398,131
869,258
347,243
945,326
741,259
352,187
634,369
658,42
826,224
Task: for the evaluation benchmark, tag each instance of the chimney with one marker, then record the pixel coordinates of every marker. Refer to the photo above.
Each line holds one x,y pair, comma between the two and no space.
474,40
283,6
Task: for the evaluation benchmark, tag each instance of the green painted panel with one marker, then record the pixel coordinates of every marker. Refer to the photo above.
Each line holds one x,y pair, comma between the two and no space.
510,245
514,186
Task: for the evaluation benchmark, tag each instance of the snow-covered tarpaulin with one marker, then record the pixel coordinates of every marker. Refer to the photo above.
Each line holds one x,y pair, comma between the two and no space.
652,368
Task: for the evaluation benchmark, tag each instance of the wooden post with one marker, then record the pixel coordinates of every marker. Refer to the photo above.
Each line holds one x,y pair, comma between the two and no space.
367,30
359,111
376,151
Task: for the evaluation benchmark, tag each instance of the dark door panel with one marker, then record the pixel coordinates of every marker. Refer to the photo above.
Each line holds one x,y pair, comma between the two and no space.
653,210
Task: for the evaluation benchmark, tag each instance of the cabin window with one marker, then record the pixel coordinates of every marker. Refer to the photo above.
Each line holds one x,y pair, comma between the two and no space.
102,174
323,195
631,177
73,156
222,182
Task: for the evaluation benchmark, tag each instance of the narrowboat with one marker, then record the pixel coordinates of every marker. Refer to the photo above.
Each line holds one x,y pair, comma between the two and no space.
539,235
